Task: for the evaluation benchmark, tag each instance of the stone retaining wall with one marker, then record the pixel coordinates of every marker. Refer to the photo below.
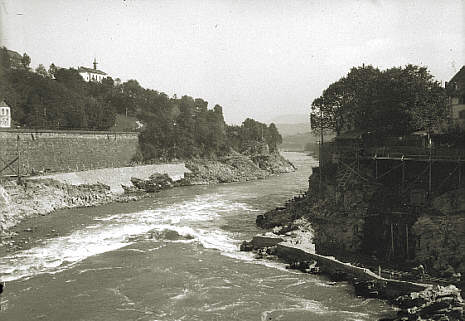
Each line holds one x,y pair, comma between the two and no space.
65,151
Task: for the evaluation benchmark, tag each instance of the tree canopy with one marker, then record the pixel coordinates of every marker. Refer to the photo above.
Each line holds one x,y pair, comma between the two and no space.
185,128
173,127
54,99
393,102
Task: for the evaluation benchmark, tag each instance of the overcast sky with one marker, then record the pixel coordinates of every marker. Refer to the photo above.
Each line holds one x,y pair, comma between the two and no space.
258,59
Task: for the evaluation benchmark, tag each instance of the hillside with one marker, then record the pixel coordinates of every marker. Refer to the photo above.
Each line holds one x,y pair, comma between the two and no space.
289,129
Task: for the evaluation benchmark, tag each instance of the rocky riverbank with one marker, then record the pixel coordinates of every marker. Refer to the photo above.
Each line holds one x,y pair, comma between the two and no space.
40,196
236,168
416,301
368,223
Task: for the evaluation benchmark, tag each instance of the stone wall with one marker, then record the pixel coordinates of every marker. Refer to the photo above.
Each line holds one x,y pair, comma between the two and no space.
65,151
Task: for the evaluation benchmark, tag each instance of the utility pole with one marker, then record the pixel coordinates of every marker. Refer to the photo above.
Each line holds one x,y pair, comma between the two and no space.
403,173
430,167
459,171
392,240
406,241
19,159
321,151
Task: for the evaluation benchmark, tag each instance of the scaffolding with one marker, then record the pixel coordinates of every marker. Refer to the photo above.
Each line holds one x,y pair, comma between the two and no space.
415,175
9,164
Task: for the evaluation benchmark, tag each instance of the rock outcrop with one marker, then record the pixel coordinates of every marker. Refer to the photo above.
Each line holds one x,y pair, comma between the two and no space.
273,163
39,197
415,301
441,243
450,203
155,183
235,168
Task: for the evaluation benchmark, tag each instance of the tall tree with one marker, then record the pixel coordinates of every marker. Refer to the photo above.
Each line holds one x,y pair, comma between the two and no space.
40,70
393,102
52,70
273,137
26,61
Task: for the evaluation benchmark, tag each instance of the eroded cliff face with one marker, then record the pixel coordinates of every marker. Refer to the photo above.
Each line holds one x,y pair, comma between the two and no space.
441,237
337,215
368,219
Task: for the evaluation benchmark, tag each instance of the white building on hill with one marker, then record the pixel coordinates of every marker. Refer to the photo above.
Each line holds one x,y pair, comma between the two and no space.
89,74
5,115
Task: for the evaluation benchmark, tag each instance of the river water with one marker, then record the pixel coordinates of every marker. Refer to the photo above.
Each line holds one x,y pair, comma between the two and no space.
174,256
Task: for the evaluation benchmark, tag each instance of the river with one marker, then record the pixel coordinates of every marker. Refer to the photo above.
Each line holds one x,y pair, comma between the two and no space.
173,256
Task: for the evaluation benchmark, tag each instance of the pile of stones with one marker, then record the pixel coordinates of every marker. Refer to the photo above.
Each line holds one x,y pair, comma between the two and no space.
156,182
435,303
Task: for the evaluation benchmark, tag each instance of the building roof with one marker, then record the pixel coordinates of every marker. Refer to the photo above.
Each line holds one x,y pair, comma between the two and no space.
91,70
459,77
14,55
3,104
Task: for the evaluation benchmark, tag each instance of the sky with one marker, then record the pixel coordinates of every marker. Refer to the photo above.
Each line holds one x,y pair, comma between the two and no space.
258,59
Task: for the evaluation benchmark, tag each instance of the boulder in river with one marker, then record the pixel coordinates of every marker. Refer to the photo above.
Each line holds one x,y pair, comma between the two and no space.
156,182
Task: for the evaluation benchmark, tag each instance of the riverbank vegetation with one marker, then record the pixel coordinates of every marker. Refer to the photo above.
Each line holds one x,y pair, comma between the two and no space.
171,127
56,98
392,102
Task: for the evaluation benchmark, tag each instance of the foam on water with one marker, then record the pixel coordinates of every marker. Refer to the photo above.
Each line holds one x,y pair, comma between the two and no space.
189,219
303,305
4,197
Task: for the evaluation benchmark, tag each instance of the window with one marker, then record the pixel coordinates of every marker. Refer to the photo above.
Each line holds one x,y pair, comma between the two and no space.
462,114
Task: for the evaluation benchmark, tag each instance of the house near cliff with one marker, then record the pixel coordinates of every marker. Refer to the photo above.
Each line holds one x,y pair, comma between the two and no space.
5,115
15,59
456,90
92,74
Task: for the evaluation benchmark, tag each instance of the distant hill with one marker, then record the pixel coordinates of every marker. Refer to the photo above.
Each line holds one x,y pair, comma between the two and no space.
291,119
293,129
292,124
302,141
296,142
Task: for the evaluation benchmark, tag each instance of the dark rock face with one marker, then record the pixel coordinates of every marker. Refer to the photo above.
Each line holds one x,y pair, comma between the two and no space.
156,182
337,276
276,217
443,234
246,246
